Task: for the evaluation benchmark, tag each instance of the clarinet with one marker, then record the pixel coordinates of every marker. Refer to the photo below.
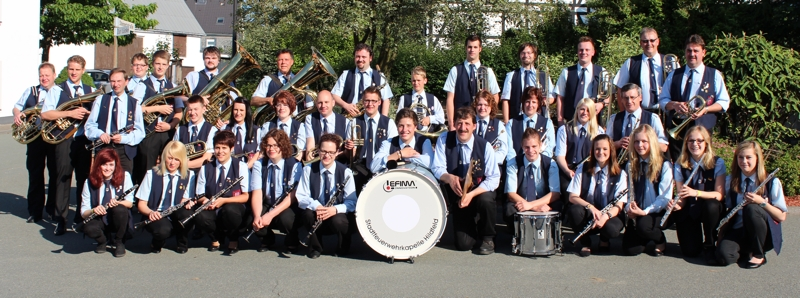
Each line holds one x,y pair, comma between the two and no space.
264,211
164,213
604,210
105,207
212,200
339,190
738,207
99,143
676,197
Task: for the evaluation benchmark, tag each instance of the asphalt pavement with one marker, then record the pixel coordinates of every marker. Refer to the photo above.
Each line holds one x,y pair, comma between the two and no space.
36,263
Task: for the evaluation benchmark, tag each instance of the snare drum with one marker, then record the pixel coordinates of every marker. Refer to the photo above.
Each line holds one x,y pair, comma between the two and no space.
536,233
401,213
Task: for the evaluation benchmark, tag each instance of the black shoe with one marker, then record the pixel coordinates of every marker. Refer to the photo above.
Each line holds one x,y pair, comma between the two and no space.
585,253
342,252
61,228
155,250
292,249
31,219
231,250
101,248
181,250
263,248
313,254
711,257
486,248
197,235
755,265
120,250
604,249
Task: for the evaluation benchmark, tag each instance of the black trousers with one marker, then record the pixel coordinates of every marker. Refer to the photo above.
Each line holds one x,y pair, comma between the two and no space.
340,225
580,217
59,166
510,211
35,163
125,162
645,229
229,222
692,223
82,163
754,237
165,227
117,218
288,222
147,154
361,175
474,223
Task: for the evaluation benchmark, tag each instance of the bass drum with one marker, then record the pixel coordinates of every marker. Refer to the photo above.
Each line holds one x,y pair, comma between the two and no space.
401,213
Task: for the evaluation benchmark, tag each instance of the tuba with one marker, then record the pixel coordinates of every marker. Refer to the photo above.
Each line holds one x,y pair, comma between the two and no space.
56,131
159,99
31,127
696,104
317,68
218,88
195,149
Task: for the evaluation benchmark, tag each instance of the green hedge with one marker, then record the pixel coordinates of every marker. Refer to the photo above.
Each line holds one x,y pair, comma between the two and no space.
63,77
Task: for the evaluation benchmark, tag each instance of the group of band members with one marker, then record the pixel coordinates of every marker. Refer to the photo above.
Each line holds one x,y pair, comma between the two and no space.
292,169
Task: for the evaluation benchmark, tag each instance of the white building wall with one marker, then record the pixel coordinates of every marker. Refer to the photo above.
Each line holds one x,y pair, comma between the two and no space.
194,53
59,55
20,56
151,40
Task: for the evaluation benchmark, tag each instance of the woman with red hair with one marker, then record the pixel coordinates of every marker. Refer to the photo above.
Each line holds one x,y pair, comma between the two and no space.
107,180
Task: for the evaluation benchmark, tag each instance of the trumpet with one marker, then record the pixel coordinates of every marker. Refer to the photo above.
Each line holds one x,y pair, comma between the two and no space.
314,158
296,152
195,149
357,139
696,104
623,154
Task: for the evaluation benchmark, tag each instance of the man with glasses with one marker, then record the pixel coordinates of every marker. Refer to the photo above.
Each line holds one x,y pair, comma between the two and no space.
519,79
644,70
136,87
373,128
622,124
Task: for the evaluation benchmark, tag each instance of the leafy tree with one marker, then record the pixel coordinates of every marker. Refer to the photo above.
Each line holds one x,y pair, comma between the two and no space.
88,21
63,76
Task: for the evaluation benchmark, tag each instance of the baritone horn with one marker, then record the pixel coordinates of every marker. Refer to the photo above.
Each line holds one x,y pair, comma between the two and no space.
31,126
543,83
161,99
696,104
61,129
605,90
218,88
669,64
195,149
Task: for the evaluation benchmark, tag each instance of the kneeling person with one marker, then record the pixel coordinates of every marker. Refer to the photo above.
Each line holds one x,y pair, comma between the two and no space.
107,180
408,146
532,182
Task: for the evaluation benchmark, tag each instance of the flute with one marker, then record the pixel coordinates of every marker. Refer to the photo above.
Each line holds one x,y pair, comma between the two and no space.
686,181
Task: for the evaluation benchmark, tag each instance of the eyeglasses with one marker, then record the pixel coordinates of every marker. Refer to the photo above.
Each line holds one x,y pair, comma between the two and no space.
281,105
139,65
329,153
698,141
371,102
270,146
648,40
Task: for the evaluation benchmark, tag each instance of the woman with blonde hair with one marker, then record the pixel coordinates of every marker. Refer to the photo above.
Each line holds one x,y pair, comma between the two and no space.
167,184
574,140
651,174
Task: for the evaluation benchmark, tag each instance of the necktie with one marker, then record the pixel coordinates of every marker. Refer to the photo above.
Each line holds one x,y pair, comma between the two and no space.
326,185
599,199
324,125
76,90
473,83
653,84
283,80
194,134
283,127
629,127
462,160
419,100
221,177
471,72
528,77
114,115
748,185
210,76
581,83
273,176
168,199
361,85
161,87
107,196
688,87
530,182
370,142
641,183
530,123
579,152
483,129
238,148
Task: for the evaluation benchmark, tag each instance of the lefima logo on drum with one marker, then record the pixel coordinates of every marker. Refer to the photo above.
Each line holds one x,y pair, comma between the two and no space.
398,184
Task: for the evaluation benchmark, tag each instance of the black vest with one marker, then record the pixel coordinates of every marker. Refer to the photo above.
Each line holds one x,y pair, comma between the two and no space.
635,71
316,125
774,226
202,82
157,190
202,134
212,188
519,126
611,185
707,183
274,85
646,117
350,90
33,97
95,197
706,90
419,140
381,132
465,89
315,179
643,177
478,154
288,166
574,157
102,119
294,129
151,91
407,101
492,129
514,103
571,94
544,168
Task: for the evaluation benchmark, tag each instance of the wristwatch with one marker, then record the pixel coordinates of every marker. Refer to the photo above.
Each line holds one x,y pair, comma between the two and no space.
763,204
587,206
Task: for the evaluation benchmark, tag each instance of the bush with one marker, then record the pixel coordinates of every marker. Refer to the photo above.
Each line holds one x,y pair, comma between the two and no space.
789,162
63,77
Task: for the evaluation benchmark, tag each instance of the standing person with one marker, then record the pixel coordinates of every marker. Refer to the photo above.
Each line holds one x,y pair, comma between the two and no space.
323,121
272,176
36,154
374,128
490,128
114,111
756,229
320,181
683,84
597,182
169,184
644,70
652,178
349,88
285,107
574,140
198,80
531,117
224,218
697,211
241,125
197,129
418,95
106,182
272,83
578,82
462,81
136,87
622,124
531,180
167,119
521,78
408,145
455,152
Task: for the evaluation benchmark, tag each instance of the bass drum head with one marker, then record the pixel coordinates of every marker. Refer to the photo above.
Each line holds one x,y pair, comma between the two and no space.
401,213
